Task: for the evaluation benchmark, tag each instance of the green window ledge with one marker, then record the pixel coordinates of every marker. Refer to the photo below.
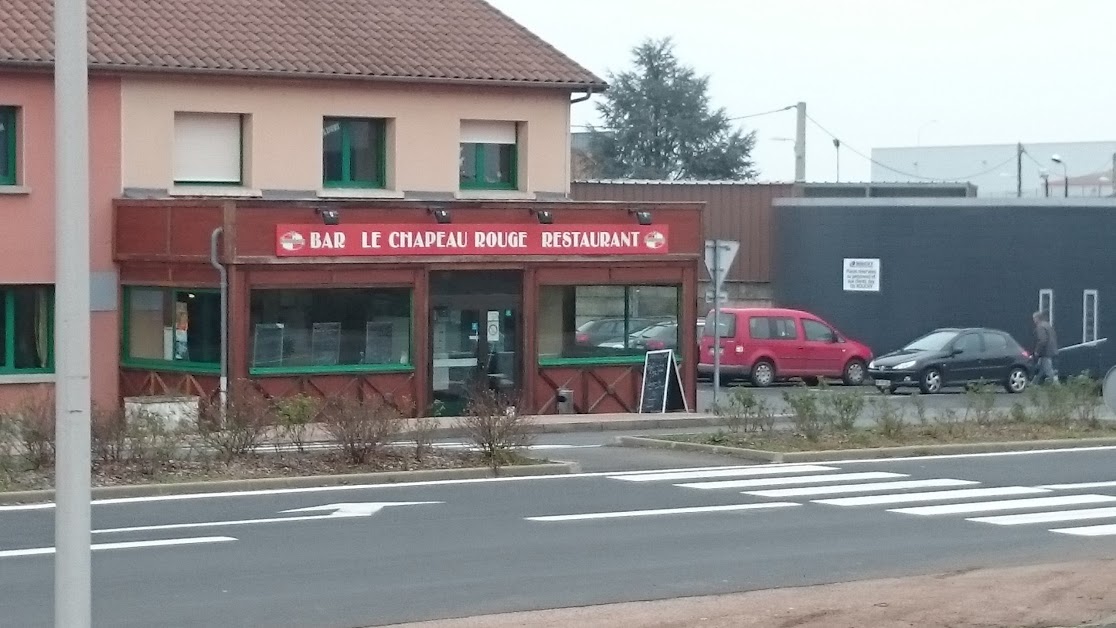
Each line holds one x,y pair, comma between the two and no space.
204,368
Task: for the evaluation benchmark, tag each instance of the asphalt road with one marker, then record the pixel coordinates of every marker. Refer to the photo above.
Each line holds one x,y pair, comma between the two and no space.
474,547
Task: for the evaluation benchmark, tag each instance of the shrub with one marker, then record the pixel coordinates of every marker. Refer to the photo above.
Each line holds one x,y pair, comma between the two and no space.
108,435
888,418
806,415
845,408
422,430
1018,413
1054,404
494,425
33,429
920,409
746,412
152,443
360,427
947,420
1083,393
980,404
240,427
8,462
294,416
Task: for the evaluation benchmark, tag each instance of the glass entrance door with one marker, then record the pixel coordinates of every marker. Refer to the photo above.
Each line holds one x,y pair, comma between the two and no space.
476,338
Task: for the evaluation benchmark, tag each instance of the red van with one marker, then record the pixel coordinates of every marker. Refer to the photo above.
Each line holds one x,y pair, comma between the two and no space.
765,345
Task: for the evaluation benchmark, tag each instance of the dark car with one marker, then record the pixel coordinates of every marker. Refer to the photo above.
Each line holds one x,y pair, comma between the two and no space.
594,332
952,357
657,336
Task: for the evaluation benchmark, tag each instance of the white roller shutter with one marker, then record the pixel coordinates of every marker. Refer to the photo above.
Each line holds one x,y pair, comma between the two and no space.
487,132
207,147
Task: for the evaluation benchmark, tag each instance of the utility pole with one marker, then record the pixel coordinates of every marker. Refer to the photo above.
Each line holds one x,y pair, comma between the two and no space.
837,145
1019,170
72,582
800,144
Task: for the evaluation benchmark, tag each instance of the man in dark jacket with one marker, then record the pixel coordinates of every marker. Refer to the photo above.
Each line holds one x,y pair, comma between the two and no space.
1046,347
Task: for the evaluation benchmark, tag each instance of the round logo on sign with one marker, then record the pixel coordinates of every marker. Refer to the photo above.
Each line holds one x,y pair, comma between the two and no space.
292,241
655,240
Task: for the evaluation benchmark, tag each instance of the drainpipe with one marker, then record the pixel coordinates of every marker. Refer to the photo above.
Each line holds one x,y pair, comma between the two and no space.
213,259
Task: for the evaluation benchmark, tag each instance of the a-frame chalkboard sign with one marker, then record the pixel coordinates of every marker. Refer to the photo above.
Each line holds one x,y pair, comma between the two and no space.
662,384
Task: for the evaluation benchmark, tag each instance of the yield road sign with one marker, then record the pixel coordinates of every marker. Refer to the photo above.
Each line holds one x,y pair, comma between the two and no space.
719,255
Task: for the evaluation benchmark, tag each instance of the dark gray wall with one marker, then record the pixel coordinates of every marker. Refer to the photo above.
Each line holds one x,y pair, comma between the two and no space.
957,262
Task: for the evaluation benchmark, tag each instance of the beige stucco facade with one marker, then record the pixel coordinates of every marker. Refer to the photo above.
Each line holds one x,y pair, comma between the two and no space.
283,132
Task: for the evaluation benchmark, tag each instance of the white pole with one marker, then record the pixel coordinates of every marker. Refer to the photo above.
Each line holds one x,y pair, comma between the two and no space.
716,319
72,607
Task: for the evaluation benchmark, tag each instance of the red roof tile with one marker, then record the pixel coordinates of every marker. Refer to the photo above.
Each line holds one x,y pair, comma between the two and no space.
436,40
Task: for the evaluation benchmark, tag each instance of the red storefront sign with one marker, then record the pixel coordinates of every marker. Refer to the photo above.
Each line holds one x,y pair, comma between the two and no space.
400,240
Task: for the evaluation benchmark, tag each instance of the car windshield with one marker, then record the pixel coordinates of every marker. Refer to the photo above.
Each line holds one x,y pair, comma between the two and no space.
935,341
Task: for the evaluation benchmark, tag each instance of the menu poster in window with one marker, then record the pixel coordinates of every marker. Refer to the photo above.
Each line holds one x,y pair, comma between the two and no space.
181,331
325,343
377,342
267,345
662,384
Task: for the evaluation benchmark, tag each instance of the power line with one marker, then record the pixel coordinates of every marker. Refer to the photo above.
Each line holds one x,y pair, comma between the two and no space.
897,171
744,117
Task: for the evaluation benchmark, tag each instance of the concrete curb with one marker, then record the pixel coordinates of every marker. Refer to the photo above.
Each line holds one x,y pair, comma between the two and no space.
312,481
860,454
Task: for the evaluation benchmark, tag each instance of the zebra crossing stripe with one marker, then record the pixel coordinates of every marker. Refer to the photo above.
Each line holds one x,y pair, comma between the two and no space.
1006,504
1102,530
930,496
1070,487
801,479
1048,517
806,491
720,473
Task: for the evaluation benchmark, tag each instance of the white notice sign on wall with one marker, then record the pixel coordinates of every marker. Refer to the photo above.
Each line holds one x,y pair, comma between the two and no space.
862,274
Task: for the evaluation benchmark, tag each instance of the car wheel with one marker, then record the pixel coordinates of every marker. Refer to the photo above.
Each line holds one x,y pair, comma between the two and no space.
854,373
931,381
1016,380
763,374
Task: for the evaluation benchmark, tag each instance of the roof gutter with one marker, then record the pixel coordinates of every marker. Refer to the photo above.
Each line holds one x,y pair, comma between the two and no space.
587,96
115,69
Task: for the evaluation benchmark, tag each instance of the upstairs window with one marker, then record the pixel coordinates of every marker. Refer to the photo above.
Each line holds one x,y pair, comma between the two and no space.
8,146
354,152
208,148
489,156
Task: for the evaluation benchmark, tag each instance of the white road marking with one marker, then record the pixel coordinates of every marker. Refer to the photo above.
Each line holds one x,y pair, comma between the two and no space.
802,479
662,511
1048,517
1006,504
97,547
1070,487
807,491
1102,530
340,511
721,473
930,496
990,454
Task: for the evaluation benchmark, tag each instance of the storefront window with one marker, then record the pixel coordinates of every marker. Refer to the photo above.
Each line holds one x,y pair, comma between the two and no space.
606,322
172,326
309,330
26,329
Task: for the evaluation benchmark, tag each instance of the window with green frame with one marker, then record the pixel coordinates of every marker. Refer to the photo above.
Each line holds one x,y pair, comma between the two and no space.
322,330
606,323
354,152
26,329
489,155
8,146
174,328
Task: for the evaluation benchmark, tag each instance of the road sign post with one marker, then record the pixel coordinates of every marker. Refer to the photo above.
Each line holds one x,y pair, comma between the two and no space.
719,255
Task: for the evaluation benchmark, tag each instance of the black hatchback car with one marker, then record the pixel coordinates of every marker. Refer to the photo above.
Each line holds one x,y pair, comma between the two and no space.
952,357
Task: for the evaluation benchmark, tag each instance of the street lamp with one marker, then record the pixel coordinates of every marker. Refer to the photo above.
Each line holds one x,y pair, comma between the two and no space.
1065,173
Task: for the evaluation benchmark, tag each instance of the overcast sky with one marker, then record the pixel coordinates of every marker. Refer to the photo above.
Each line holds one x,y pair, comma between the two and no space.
874,72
